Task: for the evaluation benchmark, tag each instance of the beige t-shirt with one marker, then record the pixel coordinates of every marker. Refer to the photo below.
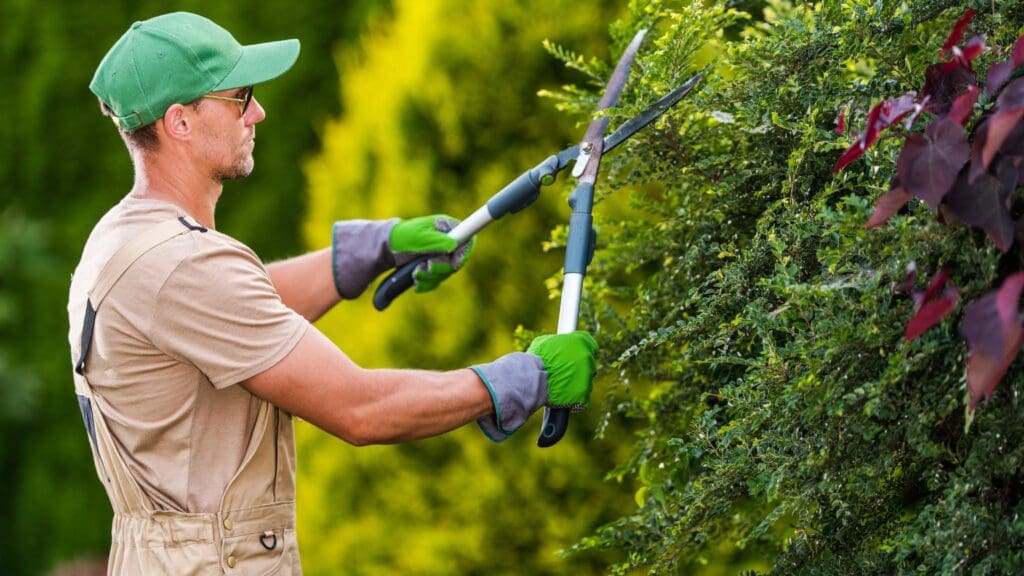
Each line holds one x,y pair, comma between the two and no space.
186,322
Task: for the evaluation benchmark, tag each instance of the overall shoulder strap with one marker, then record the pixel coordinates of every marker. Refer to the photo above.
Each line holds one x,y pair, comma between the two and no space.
118,264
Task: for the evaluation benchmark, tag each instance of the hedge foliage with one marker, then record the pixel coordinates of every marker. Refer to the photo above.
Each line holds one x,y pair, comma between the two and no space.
781,423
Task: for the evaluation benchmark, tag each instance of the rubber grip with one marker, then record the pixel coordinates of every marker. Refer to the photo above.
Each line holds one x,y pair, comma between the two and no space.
556,422
397,282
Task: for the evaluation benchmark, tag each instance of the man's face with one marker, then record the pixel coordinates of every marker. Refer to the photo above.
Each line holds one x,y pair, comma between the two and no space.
228,135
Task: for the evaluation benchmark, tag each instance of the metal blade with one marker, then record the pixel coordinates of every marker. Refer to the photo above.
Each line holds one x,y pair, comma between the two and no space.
637,123
621,73
589,160
633,125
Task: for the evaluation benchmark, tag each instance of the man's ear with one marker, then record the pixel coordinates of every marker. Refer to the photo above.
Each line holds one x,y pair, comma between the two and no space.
177,122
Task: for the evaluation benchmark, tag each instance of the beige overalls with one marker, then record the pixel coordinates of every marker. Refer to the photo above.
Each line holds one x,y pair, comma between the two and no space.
253,533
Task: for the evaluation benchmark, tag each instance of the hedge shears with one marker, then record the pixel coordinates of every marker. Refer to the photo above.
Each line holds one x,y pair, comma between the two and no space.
525,189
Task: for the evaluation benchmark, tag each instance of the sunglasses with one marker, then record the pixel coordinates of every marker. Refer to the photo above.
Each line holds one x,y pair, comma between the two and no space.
244,100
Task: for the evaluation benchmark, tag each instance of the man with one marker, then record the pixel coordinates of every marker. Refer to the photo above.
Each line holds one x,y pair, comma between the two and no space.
190,356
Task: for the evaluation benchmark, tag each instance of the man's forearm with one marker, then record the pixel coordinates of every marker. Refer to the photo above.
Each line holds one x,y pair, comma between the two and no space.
306,283
414,404
321,385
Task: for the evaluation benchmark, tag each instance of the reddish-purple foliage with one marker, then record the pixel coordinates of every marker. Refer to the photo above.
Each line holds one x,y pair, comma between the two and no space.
984,203
998,128
974,47
841,122
963,106
943,83
881,116
998,74
958,30
1017,56
887,205
992,327
906,285
929,163
932,305
971,184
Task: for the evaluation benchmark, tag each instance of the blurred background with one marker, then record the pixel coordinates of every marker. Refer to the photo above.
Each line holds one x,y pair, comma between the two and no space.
395,108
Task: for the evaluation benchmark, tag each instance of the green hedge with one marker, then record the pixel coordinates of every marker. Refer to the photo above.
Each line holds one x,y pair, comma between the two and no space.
781,422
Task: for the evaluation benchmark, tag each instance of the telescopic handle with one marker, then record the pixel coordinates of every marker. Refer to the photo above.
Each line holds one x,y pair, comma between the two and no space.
515,196
578,254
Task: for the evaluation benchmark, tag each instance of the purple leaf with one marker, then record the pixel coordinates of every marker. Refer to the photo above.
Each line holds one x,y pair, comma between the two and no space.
909,277
856,150
888,204
1018,52
974,47
958,30
963,106
1012,96
881,116
992,328
929,163
930,314
894,109
937,284
998,73
841,121
1000,125
932,306
1013,145
982,327
943,83
860,146
1008,174
983,203
980,138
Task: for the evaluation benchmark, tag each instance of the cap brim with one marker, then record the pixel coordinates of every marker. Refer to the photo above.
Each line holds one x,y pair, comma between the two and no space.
261,62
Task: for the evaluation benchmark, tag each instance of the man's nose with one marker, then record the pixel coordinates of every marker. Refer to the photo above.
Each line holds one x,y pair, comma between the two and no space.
254,113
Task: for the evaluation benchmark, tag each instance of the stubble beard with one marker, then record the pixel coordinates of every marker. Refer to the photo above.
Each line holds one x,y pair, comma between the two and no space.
241,168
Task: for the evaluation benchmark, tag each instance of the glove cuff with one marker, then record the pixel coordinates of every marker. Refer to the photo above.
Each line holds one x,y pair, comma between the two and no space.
360,253
518,385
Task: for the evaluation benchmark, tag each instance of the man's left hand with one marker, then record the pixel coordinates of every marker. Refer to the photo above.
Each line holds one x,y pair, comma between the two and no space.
427,235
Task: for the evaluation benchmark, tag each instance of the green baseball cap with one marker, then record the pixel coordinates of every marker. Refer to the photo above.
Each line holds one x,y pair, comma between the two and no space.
176,58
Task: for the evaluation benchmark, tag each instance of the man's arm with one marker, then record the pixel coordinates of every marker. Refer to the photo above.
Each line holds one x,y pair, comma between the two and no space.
318,383
362,250
305,283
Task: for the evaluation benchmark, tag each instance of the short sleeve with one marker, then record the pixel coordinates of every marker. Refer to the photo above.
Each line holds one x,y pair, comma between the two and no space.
219,312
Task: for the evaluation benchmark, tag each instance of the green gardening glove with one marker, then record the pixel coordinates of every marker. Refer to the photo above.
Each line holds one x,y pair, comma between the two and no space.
570,365
557,371
427,235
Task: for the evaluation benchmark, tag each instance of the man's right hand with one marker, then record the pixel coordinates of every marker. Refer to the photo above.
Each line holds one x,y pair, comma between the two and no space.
569,360
557,371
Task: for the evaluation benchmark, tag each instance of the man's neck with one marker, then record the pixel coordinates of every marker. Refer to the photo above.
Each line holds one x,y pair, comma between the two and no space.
196,194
